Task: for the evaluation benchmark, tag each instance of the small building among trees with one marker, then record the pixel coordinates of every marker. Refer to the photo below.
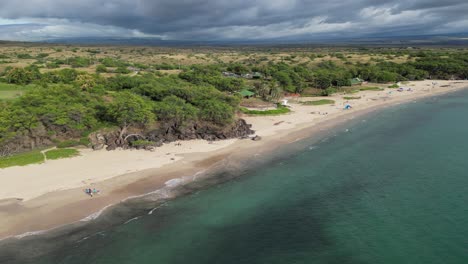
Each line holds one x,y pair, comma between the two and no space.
356,81
246,93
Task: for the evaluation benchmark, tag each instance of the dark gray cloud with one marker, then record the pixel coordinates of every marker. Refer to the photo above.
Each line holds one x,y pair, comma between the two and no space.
231,19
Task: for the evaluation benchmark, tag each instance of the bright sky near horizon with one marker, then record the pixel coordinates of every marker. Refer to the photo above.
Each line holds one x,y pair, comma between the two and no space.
229,19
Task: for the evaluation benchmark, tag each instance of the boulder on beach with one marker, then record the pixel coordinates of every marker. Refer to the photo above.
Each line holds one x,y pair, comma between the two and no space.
257,138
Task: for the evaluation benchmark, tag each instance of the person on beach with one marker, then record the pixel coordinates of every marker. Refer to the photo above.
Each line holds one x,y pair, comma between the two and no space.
89,192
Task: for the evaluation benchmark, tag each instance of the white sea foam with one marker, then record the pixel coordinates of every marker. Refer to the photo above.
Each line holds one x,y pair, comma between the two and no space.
83,239
33,233
154,209
87,237
162,193
95,215
195,176
174,182
130,220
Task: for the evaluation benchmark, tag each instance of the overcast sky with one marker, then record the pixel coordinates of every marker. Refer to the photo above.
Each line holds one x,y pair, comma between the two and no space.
229,19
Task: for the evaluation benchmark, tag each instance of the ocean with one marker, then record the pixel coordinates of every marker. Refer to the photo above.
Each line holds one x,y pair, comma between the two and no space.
387,187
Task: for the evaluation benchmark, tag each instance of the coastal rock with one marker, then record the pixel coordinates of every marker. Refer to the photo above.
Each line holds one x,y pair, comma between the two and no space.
98,141
208,132
257,138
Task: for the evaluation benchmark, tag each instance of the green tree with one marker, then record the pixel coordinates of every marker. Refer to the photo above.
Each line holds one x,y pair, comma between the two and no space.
19,76
85,81
101,68
215,111
175,110
128,109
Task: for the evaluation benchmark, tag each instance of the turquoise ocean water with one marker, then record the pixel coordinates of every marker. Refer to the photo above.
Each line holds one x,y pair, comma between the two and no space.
388,187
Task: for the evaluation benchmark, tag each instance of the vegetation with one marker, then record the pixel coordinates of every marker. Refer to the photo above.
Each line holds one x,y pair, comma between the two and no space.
352,97
59,95
319,102
61,153
371,89
68,144
23,159
11,91
142,143
278,111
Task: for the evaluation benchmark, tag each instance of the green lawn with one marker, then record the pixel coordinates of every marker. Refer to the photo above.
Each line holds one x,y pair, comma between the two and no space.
371,88
31,157
351,91
278,111
35,157
319,102
352,97
61,153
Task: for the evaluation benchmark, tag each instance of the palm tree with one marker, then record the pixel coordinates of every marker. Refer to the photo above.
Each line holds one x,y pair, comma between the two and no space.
276,92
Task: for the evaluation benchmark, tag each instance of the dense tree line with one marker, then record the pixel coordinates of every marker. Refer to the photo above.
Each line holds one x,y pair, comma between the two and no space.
70,103
295,78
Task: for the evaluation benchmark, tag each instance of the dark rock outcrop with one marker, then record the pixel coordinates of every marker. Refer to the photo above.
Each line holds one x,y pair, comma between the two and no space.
238,129
98,141
257,138
111,140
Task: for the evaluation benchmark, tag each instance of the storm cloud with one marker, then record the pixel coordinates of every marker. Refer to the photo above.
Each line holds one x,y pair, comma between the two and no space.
229,19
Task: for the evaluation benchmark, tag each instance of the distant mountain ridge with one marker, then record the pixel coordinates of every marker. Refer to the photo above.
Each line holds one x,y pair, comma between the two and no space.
459,39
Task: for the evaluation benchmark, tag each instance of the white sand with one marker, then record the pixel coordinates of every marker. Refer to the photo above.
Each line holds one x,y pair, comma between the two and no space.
302,115
31,181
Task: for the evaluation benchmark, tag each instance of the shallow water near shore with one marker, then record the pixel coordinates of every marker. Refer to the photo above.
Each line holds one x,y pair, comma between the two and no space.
388,187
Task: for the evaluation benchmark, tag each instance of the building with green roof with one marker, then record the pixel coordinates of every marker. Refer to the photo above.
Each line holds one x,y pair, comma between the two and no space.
246,93
356,81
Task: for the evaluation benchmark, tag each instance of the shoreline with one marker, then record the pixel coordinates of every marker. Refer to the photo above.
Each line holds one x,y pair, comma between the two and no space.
53,209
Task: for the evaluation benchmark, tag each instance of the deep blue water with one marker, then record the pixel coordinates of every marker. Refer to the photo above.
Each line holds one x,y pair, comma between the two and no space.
389,187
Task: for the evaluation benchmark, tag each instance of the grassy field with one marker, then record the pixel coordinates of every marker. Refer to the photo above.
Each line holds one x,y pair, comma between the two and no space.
47,54
61,153
31,157
36,157
371,88
319,102
277,111
352,97
349,91
11,91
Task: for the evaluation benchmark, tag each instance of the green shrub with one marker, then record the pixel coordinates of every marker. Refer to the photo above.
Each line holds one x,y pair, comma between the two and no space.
68,144
42,55
394,86
352,97
101,68
24,56
84,141
328,91
122,70
52,65
142,143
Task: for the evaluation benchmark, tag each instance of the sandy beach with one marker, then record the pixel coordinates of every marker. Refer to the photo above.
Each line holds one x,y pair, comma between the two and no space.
43,196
